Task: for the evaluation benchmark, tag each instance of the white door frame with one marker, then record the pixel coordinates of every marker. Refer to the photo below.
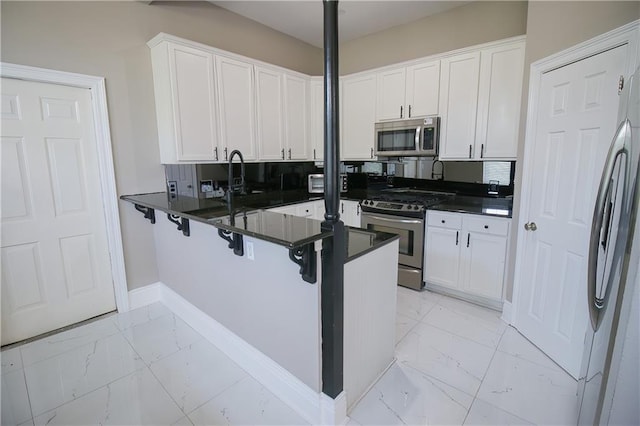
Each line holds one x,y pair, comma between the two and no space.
627,34
105,160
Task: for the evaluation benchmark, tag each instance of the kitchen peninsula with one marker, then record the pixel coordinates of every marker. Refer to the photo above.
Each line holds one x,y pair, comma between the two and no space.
257,274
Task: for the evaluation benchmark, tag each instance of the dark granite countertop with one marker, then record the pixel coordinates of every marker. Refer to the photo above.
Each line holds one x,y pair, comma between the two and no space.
278,228
502,207
249,218
362,241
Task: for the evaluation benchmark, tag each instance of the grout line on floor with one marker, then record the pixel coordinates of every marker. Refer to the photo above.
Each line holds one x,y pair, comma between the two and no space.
167,392
26,387
484,376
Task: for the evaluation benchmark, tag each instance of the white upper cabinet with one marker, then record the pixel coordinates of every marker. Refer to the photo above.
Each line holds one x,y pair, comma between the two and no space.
282,115
390,86
236,106
423,89
316,118
499,100
269,114
458,105
358,116
408,92
296,100
480,103
210,102
185,103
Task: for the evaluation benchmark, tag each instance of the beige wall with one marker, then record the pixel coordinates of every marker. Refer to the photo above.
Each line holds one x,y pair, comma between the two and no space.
108,39
475,23
551,27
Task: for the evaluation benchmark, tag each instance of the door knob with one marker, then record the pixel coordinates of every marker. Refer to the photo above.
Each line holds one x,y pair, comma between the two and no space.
531,226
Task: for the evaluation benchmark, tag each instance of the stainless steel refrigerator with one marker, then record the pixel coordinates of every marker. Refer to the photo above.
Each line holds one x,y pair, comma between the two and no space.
610,376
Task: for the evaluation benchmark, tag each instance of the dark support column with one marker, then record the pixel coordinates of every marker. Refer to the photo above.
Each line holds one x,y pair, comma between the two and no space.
333,249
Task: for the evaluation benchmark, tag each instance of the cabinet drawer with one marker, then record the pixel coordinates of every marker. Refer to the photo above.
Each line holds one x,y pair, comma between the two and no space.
444,220
487,225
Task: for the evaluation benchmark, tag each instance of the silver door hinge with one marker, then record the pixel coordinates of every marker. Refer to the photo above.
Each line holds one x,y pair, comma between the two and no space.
620,84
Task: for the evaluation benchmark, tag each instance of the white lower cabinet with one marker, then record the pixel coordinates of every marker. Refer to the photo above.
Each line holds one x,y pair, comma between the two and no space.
465,255
442,265
290,209
349,210
350,213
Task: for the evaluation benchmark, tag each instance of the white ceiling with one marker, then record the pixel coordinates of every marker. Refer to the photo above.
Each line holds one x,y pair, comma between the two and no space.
303,19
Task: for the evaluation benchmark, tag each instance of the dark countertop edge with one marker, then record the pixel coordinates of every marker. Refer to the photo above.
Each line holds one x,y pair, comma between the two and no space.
241,231
440,208
299,243
214,223
370,249
166,210
316,197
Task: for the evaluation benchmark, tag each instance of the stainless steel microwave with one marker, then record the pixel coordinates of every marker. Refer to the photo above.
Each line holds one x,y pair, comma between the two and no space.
408,138
316,183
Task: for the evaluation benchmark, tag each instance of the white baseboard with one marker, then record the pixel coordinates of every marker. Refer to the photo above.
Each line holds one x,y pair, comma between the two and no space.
315,407
507,312
143,296
333,411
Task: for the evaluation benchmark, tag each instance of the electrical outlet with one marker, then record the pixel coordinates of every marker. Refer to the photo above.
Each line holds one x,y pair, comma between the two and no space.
172,187
250,250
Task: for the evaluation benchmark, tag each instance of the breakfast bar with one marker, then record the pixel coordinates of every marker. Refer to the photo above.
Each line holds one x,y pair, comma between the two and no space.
257,274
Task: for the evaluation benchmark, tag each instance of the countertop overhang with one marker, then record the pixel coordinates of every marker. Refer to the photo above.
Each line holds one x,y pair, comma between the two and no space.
247,216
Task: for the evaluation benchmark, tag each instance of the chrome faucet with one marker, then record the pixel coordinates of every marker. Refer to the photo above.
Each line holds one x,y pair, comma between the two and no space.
243,190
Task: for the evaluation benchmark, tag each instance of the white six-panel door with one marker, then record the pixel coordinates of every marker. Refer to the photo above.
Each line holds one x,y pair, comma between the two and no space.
576,118
55,259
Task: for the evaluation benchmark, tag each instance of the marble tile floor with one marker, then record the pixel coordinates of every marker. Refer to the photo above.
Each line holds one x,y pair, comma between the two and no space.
456,364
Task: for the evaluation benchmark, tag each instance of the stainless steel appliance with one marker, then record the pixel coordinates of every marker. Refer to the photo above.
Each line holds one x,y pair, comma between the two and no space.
609,380
316,183
408,138
402,212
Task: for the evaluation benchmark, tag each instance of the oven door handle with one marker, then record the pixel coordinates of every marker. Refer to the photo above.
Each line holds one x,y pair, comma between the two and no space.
409,221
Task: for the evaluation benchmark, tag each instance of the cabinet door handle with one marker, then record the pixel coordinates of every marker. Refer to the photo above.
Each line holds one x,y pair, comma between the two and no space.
457,237
314,153
289,153
225,154
486,227
371,152
443,221
215,152
282,151
468,238
482,151
469,151
341,207
358,210
409,111
400,111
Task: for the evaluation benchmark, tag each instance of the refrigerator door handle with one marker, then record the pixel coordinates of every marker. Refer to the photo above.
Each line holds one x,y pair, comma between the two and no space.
616,151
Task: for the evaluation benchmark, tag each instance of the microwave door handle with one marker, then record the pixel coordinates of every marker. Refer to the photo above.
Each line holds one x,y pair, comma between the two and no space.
418,138
617,149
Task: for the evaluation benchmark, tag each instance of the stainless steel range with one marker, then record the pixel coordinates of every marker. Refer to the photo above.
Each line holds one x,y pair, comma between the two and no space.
401,211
